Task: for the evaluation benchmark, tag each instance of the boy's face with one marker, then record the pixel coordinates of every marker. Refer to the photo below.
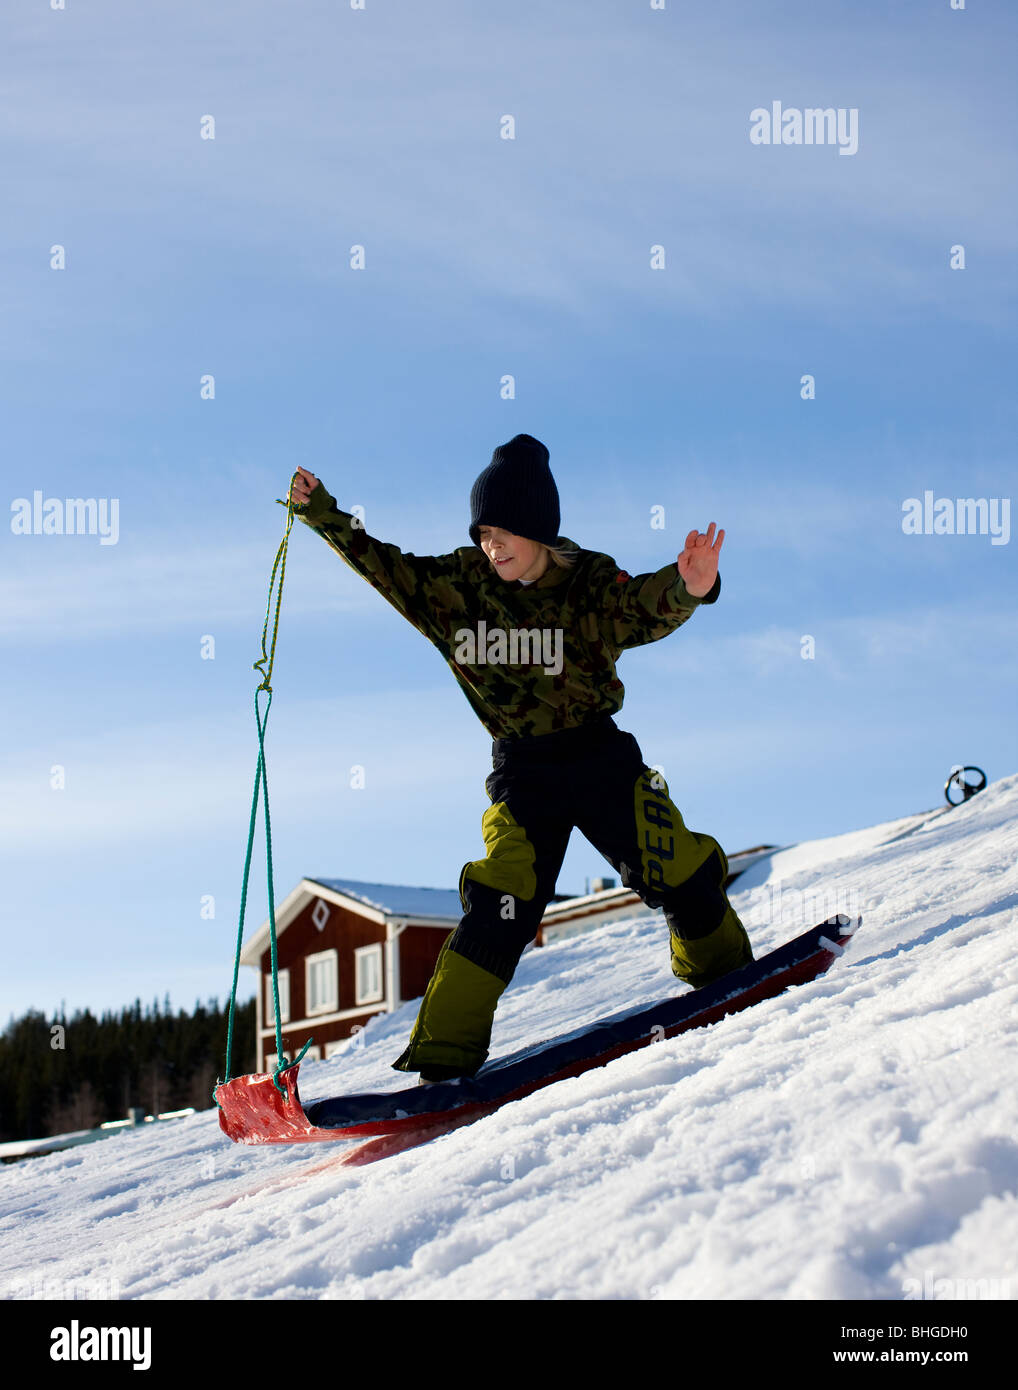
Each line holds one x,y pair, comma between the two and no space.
513,557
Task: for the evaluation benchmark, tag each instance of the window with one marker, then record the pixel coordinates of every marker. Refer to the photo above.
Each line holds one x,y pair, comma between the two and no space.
284,999
321,982
368,965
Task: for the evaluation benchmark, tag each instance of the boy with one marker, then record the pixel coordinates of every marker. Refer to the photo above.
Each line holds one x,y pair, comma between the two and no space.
531,626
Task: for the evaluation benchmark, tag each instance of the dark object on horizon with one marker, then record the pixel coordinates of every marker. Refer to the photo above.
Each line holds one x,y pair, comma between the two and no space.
960,783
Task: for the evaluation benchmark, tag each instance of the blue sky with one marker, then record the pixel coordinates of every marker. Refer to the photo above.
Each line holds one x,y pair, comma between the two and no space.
485,257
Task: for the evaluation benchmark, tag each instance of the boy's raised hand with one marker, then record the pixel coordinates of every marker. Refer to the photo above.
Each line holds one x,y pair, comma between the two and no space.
698,563
303,486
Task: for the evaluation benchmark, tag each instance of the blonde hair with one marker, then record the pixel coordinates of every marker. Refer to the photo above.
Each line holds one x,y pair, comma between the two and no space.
562,555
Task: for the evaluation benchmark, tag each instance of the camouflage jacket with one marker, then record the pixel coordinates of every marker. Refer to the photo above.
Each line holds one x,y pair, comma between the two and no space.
533,658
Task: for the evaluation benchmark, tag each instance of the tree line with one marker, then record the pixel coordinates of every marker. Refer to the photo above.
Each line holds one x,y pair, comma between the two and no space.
63,1074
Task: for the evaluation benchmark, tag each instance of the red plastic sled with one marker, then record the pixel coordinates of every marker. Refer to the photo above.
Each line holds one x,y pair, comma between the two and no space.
252,1111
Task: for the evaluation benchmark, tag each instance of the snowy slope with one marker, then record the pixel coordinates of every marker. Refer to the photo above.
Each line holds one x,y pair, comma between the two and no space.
836,1142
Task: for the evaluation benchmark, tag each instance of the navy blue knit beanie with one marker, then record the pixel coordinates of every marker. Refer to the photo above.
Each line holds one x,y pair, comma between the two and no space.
517,493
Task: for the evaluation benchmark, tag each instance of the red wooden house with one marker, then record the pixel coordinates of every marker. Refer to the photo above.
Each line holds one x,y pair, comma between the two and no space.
345,950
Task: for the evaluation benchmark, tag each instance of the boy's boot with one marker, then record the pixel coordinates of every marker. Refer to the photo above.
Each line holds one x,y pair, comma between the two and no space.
707,958
702,952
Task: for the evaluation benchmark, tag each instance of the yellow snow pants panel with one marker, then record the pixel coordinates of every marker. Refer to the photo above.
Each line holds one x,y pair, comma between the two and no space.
509,865
685,870
453,1027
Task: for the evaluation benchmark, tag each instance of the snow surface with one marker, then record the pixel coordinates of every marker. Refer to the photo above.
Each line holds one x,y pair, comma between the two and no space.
854,1138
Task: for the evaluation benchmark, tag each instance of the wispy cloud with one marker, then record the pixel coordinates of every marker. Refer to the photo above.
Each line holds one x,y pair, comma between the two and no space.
919,647
194,775
599,169
162,579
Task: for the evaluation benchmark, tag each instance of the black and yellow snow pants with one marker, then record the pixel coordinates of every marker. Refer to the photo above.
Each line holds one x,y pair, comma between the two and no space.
592,777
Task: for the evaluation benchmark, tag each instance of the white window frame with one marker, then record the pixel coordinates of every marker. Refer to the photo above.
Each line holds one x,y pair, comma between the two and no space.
284,998
331,1003
360,956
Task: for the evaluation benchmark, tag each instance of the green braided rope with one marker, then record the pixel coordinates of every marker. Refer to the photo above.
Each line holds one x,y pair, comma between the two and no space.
262,780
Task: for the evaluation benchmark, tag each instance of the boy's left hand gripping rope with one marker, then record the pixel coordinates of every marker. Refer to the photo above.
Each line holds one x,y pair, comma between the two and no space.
261,779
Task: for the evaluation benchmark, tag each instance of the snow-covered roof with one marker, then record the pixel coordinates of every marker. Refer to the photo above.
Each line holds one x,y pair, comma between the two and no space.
398,898
380,901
